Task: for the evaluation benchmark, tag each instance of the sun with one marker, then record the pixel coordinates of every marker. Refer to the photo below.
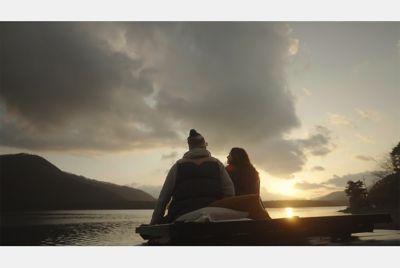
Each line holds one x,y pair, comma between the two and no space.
285,188
278,186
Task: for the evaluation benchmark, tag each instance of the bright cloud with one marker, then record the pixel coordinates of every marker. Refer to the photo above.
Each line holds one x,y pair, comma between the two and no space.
310,186
171,155
306,91
294,46
363,138
398,46
367,114
336,119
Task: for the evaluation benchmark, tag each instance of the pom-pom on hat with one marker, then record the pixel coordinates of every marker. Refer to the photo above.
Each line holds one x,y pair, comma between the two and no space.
195,139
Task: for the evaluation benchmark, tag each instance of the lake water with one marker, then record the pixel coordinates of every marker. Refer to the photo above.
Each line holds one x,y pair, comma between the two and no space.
102,227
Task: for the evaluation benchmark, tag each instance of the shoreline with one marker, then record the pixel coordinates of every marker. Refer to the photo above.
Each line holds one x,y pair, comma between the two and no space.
394,213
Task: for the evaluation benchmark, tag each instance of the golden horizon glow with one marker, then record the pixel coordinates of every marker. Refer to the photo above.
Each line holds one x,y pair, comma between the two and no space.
276,185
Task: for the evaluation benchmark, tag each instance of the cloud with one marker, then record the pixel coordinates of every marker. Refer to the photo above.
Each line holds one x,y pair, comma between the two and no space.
318,143
398,47
317,168
337,182
60,68
361,68
306,91
294,46
310,186
171,155
365,158
336,119
283,157
279,157
363,138
302,62
64,88
367,114
266,195
137,85
341,181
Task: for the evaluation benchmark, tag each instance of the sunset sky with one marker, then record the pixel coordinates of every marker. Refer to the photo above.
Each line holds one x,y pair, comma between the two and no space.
314,103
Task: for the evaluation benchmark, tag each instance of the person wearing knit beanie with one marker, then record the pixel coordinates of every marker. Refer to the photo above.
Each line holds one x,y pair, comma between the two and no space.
196,140
194,181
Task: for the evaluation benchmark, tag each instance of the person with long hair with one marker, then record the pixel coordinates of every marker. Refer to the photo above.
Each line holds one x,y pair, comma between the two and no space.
247,186
243,174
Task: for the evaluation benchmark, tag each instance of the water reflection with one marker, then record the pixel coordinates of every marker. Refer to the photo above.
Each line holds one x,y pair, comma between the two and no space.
91,227
289,212
100,227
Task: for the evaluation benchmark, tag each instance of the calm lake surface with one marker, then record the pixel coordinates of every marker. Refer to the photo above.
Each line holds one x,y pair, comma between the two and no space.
103,227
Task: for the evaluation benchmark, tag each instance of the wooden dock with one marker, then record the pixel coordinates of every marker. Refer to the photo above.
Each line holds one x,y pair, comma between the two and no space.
284,231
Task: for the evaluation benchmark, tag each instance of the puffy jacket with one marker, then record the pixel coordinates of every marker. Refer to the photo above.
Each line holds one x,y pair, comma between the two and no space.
196,186
194,181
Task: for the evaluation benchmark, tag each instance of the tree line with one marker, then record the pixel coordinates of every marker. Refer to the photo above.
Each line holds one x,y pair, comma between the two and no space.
385,192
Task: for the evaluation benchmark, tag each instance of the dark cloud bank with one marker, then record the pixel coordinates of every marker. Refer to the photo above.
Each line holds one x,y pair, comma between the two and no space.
339,182
365,158
125,86
318,168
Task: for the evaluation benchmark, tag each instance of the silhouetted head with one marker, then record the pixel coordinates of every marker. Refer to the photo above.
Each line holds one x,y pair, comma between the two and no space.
196,140
238,157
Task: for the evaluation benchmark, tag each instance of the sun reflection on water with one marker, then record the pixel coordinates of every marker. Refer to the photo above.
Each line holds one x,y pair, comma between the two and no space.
289,212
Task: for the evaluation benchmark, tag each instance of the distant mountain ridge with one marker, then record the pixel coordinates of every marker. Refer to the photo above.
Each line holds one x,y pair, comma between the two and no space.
301,203
335,196
30,182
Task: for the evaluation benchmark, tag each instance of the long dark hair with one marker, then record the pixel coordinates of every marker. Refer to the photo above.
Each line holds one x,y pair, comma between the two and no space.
243,174
240,158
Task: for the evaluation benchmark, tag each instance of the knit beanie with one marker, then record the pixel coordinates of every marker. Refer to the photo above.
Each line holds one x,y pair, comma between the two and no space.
195,139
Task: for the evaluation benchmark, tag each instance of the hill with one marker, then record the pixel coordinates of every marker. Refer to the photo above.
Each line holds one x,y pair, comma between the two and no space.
30,182
385,193
338,196
300,203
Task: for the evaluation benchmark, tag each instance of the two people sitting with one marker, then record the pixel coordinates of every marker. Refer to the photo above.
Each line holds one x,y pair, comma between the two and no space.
198,180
